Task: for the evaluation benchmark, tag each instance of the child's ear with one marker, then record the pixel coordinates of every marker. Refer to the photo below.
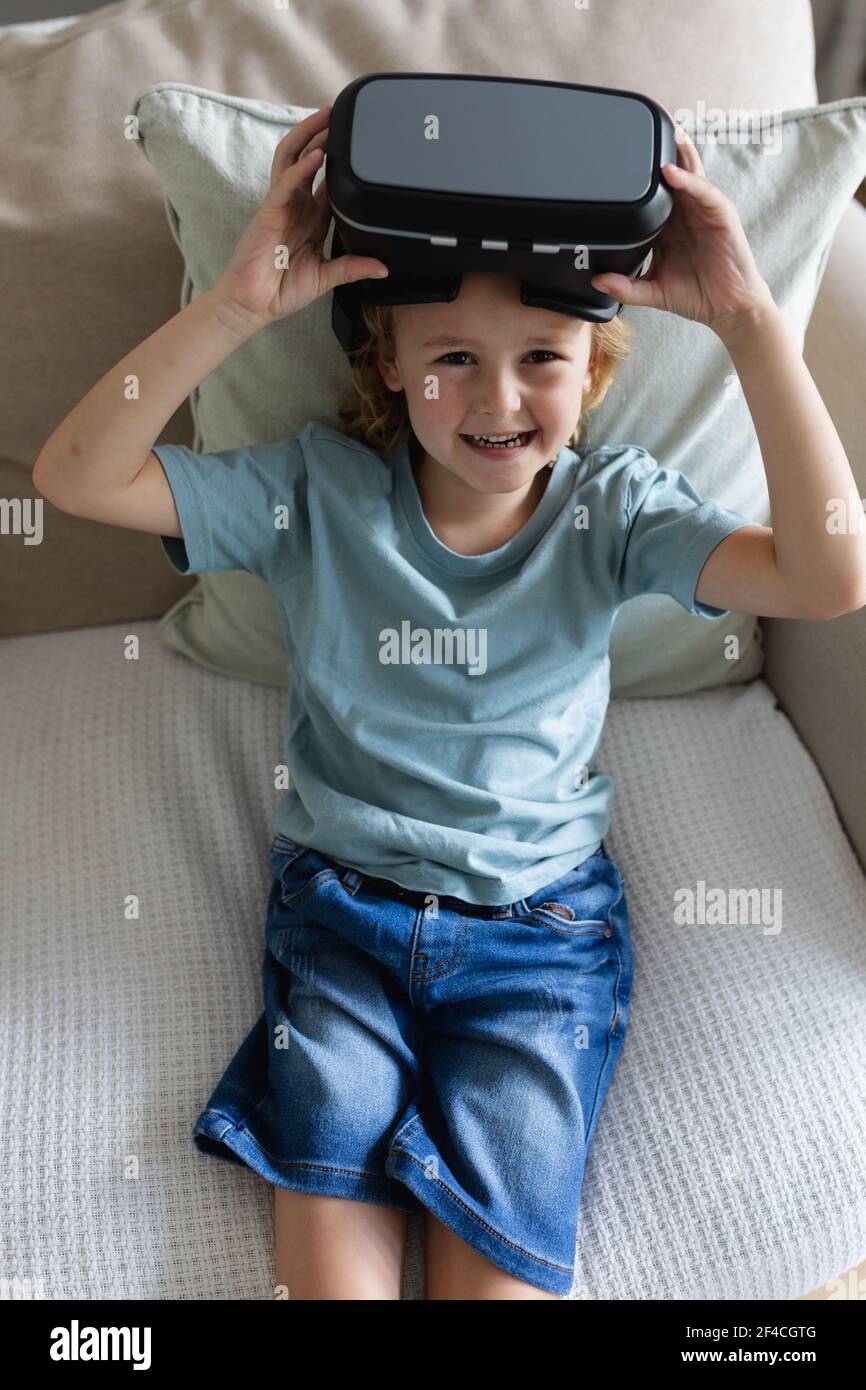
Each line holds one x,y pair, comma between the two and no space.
389,371
592,366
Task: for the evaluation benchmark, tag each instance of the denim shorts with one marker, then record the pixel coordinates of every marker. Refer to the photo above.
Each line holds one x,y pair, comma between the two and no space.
424,1052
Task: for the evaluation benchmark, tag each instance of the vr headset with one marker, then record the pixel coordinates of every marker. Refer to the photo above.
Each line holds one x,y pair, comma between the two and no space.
436,174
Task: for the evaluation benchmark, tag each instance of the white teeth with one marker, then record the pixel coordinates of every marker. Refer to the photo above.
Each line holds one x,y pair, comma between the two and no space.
499,439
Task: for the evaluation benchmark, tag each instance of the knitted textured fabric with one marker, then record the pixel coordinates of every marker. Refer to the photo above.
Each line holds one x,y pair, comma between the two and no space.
730,1155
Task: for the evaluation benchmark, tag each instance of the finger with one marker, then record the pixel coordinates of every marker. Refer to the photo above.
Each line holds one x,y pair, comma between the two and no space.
323,203
295,141
678,130
687,154
642,293
292,177
319,142
696,186
320,194
344,270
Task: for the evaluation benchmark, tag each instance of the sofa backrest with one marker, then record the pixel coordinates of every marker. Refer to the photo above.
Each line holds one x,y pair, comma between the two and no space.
89,267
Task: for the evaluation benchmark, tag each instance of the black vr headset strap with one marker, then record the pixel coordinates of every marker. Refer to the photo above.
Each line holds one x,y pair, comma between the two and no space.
394,289
347,299
541,297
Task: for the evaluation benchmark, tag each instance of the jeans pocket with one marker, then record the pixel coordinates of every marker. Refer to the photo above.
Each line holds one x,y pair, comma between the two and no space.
299,870
580,903
559,916
281,844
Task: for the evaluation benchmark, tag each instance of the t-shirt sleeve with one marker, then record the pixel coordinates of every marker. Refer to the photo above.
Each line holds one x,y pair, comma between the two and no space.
239,509
668,533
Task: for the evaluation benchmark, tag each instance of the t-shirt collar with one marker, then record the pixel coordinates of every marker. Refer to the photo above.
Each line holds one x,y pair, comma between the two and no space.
562,477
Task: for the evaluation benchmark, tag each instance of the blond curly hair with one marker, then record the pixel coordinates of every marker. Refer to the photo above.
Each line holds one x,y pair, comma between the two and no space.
379,417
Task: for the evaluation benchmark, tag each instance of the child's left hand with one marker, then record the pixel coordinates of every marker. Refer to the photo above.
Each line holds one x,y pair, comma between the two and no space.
702,266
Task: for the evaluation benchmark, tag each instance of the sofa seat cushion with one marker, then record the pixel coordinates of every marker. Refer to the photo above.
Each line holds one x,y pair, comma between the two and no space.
730,1155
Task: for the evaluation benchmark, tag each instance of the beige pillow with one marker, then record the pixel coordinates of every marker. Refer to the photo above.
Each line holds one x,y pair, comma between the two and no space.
676,396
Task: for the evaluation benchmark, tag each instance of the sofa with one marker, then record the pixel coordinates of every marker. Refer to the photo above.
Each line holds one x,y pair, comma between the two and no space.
730,1156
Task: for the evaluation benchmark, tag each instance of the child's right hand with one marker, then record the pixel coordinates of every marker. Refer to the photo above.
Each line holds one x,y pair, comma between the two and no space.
290,216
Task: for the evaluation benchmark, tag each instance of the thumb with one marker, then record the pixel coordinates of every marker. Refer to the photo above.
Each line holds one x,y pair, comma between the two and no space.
640,292
345,270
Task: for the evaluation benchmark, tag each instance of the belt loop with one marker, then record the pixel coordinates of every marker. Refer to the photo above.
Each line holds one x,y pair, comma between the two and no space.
351,880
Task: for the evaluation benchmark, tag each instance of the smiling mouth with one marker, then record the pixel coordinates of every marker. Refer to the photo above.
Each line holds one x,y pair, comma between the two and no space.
513,446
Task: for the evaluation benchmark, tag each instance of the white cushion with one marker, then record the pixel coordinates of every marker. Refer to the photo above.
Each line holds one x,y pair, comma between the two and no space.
677,395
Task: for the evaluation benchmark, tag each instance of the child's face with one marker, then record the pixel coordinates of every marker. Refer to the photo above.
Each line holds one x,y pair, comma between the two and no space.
491,379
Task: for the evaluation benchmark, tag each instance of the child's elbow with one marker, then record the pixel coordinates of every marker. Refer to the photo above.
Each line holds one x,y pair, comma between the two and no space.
44,486
850,604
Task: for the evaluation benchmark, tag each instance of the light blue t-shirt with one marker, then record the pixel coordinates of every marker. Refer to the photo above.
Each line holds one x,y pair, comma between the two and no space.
443,709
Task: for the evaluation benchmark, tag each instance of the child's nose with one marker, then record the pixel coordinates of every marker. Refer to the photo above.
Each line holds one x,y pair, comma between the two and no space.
498,395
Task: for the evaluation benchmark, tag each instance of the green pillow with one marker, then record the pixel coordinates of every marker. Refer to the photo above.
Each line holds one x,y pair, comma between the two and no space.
676,396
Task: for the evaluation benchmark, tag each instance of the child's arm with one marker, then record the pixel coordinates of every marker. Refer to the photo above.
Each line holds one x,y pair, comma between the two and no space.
99,462
92,464
703,269
820,567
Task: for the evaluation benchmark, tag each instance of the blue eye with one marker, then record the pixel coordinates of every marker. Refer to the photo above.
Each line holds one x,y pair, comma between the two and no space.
552,356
